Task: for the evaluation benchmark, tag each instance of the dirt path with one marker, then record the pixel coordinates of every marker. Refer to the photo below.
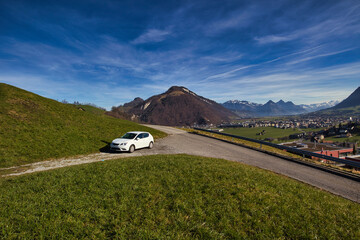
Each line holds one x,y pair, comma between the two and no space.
180,141
161,147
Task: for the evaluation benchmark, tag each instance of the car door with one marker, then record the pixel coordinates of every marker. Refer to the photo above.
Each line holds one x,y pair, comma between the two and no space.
146,140
140,141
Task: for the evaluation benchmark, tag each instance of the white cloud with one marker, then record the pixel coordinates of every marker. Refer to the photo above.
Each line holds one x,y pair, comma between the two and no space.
326,54
339,20
152,35
236,20
272,39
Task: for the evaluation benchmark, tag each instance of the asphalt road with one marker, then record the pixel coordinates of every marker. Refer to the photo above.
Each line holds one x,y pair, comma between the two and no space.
180,141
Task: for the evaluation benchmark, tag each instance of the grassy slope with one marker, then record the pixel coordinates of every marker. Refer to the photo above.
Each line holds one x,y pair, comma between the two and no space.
34,128
354,138
271,132
174,197
350,111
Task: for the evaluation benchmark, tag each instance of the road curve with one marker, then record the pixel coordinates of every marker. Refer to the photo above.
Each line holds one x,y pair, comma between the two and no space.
180,141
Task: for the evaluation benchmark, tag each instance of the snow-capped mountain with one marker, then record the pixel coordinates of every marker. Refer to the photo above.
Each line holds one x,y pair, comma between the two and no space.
319,106
241,105
251,109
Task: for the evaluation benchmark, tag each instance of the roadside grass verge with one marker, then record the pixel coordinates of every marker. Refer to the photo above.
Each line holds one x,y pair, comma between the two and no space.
34,128
173,197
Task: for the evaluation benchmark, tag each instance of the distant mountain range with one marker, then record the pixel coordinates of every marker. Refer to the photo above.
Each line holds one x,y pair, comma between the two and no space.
280,108
319,106
179,106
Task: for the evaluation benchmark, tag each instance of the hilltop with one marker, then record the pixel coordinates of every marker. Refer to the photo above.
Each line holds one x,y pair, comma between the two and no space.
35,128
178,106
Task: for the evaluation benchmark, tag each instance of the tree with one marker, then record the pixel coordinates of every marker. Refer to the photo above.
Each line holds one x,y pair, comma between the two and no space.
355,148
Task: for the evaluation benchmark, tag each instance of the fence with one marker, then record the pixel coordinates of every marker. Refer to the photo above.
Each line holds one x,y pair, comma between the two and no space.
289,149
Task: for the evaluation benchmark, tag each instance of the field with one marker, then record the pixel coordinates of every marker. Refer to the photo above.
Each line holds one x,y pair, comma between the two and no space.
170,196
270,132
354,138
350,111
34,128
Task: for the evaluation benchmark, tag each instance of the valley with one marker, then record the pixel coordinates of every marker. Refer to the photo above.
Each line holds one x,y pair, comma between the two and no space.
46,143
179,119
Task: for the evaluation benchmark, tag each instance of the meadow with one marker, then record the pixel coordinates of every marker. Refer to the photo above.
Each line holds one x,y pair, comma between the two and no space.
270,132
354,138
172,197
34,128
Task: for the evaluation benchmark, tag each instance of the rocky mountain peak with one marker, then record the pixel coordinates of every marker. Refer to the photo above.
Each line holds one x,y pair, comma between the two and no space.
270,102
352,101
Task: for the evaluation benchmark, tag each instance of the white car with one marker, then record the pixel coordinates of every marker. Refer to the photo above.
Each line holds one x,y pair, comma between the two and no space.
132,141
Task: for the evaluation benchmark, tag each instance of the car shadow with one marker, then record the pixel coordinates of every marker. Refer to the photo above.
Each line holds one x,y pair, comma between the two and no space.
106,148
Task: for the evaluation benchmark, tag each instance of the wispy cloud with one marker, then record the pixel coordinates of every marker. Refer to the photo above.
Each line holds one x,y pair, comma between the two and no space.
256,51
326,54
272,39
339,20
236,20
152,35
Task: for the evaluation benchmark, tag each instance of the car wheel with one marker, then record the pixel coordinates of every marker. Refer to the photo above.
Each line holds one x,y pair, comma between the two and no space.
151,145
131,149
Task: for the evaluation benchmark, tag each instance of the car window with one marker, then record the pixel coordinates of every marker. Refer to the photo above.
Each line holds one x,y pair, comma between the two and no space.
129,136
140,136
146,135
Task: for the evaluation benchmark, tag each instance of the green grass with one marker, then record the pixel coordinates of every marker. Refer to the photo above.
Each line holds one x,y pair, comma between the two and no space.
271,132
350,112
354,138
173,197
34,128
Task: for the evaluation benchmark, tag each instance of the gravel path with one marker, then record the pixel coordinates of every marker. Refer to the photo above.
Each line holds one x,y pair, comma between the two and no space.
180,141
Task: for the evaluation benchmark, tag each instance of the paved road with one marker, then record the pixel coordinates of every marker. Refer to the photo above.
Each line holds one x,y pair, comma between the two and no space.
180,141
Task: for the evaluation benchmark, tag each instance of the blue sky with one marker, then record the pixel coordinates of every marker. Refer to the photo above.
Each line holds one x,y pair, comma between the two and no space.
109,52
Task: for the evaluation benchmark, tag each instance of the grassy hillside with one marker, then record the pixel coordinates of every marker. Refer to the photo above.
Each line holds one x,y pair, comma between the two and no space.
347,112
34,128
170,197
270,132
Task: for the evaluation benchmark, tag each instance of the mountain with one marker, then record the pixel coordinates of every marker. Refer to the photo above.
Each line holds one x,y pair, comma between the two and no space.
319,106
179,106
34,128
289,108
349,107
352,101
270,109
242,108
133,103
241,105
249,109
122,111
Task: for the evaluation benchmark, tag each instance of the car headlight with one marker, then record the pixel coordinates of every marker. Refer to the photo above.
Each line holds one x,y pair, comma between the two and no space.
123,144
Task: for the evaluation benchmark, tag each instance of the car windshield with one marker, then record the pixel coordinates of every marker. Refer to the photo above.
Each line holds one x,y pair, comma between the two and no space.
129,136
